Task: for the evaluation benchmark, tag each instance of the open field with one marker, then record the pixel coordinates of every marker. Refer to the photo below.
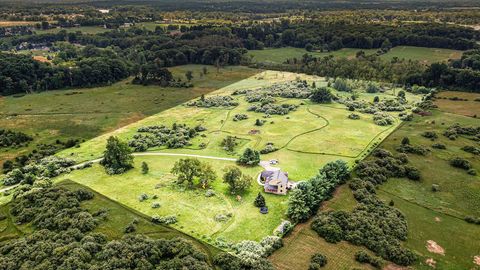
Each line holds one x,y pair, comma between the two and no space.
119,216
279,55
16,23
84,29
424,55
86,113
301,157
468,107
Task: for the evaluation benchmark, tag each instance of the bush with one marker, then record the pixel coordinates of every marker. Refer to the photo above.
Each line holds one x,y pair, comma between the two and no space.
461,163
321,95
439,146
472,172
413,149
317,261
259,200
269,148
363,257
430,135
214,101
435,188
155,205
143,197
240,117
167,220
354,116
249,157
471,149
473,220
383,119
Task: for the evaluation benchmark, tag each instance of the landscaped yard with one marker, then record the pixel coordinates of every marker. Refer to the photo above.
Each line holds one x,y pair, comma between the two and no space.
307,138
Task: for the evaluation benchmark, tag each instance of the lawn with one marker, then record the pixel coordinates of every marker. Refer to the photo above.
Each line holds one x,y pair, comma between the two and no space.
119,216
422,54
300,157
87,113
468,107
84,29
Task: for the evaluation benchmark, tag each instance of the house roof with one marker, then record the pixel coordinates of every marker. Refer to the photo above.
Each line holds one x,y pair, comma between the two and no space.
275,178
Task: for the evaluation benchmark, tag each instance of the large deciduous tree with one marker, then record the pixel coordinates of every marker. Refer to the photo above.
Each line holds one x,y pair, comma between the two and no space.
117,158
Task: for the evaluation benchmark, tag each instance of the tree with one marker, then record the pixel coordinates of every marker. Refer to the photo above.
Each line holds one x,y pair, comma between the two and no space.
190,169
189,75
321,95
204,70
117,157
229,143
401,94
259,200
405,141
249,157
317,261
376,99
237,181
144,168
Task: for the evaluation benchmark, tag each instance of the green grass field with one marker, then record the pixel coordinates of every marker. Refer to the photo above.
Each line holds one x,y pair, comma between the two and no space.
305,137
119,216
87,113
84,29
468,107
424,55
279,55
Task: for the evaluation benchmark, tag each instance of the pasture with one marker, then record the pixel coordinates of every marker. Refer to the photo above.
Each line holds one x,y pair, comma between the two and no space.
86,113
421,54
307,138
463,103
84,29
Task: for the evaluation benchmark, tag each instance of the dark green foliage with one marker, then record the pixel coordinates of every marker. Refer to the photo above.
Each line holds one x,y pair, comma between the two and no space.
145,168
240,117
306,198
412,149
317,261
321,95
259,200
439,146
342,85
373,224
363,257
259,122
430,135
178,136
273,109
237,181
461,163
10,138
473,220
191,170
117,158
405,140
471,149
229,143
226,261
249,157
353,116
269,148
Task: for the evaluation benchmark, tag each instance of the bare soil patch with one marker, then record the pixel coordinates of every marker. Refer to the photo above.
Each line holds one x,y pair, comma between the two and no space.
431,262
476,260
433,247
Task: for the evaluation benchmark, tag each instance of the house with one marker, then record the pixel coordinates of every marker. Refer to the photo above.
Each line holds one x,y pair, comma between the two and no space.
276,182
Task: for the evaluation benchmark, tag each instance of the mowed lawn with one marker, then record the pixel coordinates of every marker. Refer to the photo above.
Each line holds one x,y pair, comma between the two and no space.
84,29
86,113
469,107
195,212
423,54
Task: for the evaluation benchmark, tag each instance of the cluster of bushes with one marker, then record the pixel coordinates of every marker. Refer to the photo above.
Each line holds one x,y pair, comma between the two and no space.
430,135
292,89
306,198
463,164
229,143
271,109
454,131
213,101
178,136
249,157
473,220
471,149
45,168
413,149
363,257
317,261
269,148
10,138
227,261
322,95
250,252
439,146
383,119
240,117
61,224
379,227
167,220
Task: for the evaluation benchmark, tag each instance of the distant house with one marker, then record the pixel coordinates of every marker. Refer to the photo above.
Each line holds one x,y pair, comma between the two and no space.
276,182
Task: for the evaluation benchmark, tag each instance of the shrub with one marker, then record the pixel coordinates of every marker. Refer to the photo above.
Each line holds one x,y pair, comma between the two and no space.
317,261
461,163
249,157
472,172
471,149
435,188
240,117
143,197
405,140
383,119
321,95
10,138
430,135
439,146
155,205
413,149
259,200
167,220
363,257
354,116
473,220
269,148
214,101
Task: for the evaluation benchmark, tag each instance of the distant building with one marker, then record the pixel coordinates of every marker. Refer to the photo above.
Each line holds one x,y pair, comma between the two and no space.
104,11
276,182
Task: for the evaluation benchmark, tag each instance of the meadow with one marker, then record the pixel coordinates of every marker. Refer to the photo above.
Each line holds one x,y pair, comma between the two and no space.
304,137
468,106
421,54
86,113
